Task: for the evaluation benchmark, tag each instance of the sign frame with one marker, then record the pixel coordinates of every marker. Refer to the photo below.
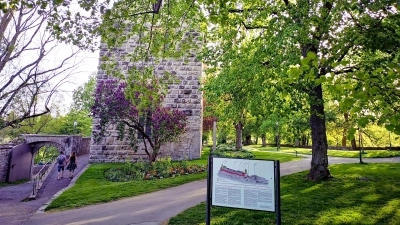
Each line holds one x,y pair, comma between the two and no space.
238,177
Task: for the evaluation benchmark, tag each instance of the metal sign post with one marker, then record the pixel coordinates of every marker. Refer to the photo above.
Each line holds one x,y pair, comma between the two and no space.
208,200
278,192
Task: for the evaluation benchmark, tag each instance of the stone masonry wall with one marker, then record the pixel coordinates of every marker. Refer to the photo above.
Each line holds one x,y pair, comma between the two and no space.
5,154
184,95
85,146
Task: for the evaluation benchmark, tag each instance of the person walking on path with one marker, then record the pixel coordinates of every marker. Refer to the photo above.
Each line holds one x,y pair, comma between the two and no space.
73,162
61,159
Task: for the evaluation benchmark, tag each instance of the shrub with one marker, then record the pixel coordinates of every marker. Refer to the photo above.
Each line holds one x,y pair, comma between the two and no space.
231,152
162,168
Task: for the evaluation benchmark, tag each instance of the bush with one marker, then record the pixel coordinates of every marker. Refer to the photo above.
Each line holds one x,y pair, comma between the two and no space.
162,168
231,152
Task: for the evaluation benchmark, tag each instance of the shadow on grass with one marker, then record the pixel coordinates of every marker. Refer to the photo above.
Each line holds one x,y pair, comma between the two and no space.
359,194
96,189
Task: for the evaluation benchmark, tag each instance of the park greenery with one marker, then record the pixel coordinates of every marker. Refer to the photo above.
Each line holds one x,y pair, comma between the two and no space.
333,153
45,154
58,123
29,83
224,150
359,194
160,169
92,187
319,55
299,72
165,168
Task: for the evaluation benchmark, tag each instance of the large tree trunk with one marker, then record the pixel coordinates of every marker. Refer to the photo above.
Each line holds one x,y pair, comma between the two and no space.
239,129
353,144
304,139
344,137
319,162
247,141
263,140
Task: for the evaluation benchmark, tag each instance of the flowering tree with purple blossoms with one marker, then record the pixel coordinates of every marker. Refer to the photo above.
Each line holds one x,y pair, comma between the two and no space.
138,116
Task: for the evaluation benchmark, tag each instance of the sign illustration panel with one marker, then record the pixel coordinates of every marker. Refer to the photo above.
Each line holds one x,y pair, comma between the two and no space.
243,183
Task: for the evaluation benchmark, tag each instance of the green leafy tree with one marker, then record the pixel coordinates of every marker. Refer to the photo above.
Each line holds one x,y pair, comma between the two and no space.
232,84
83,96
66,124
306,44
351,46
28,85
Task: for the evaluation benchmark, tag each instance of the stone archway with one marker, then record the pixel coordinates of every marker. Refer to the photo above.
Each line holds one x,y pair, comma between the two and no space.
17,160
64,143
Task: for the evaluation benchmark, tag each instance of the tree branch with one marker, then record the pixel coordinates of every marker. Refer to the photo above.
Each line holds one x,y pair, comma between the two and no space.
252,28
156,9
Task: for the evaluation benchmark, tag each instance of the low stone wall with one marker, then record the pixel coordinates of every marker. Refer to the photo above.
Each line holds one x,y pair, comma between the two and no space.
5,154
85,146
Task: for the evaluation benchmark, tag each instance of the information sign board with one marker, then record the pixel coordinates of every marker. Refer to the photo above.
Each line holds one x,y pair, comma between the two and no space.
243,183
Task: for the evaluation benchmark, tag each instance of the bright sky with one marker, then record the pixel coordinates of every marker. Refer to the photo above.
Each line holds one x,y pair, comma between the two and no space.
86,62
80,76
87,66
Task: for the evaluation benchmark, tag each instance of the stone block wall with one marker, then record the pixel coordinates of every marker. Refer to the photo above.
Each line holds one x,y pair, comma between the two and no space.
85,146
183,95
5,154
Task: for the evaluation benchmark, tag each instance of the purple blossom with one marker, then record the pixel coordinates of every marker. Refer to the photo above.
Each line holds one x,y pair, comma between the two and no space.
155,124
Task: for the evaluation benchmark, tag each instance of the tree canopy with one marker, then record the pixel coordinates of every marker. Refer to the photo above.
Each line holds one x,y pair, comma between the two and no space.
83,96
348,49
316,47
28,82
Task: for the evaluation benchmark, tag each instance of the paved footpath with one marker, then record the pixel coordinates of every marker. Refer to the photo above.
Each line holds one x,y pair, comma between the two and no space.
15,211
156,208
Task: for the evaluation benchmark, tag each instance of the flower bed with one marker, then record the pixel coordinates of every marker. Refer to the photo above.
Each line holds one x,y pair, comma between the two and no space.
160,169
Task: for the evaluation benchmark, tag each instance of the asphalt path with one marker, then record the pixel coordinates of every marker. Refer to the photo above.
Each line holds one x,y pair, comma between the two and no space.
157,207
15,210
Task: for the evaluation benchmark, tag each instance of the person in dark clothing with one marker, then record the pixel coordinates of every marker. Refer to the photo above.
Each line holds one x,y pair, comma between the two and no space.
73,164
61,163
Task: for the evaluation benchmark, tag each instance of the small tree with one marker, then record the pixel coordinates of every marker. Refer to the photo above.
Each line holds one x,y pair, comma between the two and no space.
140,117
29,83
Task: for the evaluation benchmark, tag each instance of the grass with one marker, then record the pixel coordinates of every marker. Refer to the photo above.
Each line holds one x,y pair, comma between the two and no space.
275,156
92,188
334,153
5,184
359,194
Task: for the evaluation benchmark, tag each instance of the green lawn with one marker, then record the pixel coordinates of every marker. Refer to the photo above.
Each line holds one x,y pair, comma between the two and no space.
359,194
334,153
275,156
92,188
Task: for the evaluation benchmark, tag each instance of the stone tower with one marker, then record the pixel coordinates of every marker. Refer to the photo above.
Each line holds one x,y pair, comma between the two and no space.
183,95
